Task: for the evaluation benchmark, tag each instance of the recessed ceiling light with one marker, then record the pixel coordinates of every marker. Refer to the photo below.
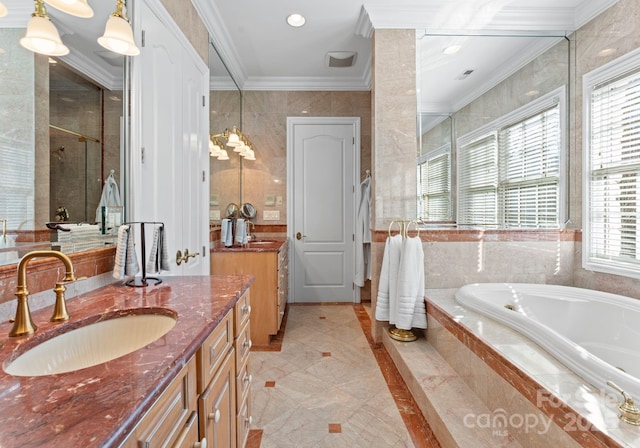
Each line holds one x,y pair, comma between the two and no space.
452,49
296,20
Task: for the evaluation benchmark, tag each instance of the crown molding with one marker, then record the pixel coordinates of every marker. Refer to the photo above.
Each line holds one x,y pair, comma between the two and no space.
218,34
306,83
89,68
508,18
364,27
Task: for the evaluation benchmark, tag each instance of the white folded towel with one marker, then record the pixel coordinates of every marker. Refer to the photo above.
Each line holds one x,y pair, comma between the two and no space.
411,312
387,287
125,263
158,256
241,231
226,232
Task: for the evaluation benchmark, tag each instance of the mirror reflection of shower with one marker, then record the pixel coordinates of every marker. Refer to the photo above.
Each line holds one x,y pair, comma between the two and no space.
76,152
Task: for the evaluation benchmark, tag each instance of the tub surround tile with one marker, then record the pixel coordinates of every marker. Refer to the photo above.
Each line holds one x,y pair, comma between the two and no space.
586,414
106,400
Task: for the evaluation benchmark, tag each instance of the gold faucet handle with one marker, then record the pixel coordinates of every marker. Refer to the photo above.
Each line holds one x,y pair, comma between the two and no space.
60,313
629,413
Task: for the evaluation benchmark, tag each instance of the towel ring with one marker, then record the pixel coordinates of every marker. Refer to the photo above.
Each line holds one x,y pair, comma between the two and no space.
406,229
399,224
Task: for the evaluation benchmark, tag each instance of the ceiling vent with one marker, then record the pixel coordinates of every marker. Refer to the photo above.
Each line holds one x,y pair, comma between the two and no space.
464,75
341,58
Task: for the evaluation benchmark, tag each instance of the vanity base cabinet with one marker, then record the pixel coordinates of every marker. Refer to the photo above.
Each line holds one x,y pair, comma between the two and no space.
217,406
269,291
207,403
168,421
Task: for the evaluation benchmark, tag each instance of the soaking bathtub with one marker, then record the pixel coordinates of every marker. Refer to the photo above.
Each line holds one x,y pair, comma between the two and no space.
595,334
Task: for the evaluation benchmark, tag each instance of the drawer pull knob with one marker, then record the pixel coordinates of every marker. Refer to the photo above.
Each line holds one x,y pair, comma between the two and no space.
248,420
248,343
215,416
201,444
247,378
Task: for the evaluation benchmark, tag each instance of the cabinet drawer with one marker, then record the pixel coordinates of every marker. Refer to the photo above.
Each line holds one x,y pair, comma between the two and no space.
189,436
243,345
242,312
244,421
243,381
213,351
164,423
217,407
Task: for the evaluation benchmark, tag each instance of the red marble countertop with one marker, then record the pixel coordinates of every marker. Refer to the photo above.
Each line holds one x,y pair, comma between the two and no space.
258,245
99,406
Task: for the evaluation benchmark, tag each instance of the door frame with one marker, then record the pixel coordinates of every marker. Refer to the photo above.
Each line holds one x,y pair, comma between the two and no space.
291,123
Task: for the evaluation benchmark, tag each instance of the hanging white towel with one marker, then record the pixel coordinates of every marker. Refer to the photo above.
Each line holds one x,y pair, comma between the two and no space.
125,263
411,311
241,231
226,232
387,287
110,196
158,256
363,234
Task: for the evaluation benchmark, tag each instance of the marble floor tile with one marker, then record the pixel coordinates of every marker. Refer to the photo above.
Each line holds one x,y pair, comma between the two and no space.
325,387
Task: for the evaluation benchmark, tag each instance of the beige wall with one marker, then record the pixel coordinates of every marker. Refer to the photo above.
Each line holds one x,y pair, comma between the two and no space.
185,15
264,121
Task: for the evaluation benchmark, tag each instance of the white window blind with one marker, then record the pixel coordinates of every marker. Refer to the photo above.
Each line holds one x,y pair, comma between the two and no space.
509,170
478,181
529,171
613,163
434,185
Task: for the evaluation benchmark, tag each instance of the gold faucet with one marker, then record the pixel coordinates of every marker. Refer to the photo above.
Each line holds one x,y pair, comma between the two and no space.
629,413
251,225
23,323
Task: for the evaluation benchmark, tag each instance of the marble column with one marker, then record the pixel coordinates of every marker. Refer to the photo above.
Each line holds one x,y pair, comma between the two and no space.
394,139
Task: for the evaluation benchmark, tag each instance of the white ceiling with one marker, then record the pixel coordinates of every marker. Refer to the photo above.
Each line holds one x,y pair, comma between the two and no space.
263,53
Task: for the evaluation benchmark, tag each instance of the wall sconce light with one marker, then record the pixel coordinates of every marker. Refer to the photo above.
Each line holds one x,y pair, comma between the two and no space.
118,35
3,10
216,150
236,140
78,8
42,36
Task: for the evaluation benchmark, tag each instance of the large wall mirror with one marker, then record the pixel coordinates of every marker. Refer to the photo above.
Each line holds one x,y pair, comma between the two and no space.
225,104
60,128
469,86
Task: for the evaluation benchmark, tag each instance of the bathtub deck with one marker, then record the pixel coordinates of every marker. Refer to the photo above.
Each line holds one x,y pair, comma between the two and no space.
472,364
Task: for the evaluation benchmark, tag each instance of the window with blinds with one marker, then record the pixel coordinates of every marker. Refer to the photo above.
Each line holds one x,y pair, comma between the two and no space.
509,170
434,185
612,166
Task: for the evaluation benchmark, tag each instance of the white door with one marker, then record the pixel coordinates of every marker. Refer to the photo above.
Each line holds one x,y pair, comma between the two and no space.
323,162
169,185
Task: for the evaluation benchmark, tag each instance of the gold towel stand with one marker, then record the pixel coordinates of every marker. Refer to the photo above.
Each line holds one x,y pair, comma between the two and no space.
397,333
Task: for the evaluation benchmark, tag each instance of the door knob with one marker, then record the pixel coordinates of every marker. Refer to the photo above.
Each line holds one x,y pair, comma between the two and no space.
299,236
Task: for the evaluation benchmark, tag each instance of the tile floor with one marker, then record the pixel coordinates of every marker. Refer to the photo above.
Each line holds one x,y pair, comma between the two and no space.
328,388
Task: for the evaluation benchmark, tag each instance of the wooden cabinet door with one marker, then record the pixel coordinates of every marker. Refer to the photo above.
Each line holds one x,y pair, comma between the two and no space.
217,407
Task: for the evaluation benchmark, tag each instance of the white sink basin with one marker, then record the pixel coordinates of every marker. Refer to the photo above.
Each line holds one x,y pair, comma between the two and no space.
91,345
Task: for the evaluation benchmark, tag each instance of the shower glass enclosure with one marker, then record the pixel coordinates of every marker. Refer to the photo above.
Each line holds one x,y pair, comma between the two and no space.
75,143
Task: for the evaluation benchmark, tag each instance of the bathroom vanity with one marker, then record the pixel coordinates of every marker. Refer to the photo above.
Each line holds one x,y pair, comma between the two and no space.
268,262
190,384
